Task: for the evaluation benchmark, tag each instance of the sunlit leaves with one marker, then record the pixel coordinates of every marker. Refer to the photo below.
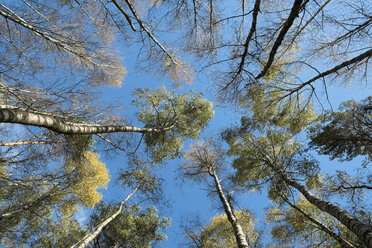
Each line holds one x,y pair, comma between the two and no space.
90,174
219,232
179,116
267,108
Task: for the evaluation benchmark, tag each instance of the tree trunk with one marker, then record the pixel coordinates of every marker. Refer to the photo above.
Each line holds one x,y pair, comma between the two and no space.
344,243
363,231
238,231
19,143
21,116
89,237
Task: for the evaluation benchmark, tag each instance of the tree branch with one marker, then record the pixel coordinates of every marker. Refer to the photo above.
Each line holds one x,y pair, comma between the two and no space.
142,25
354,60
22,116
344,243
297,7
252,30
125,14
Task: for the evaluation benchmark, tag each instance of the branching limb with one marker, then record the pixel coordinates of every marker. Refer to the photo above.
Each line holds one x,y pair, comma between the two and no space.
344,243
22,116
296,9
125,14
152,37
252,30
365,55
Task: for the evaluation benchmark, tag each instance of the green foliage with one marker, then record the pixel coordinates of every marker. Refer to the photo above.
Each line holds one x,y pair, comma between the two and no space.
178,117
258,154
133,227
45,205
292,228
269,106
219,232
60,237
345,134
140,173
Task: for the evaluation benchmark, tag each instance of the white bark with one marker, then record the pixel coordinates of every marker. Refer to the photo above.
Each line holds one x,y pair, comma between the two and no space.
238,231
363,231
57,124
89,237
344,243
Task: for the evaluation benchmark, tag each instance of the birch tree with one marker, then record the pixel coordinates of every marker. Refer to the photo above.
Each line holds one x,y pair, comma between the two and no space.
272,155
204,160
246,42
219,232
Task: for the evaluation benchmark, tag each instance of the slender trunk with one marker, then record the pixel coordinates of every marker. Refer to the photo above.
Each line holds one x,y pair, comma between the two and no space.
19,143
238,231
89,237
344,243
363,231
21,116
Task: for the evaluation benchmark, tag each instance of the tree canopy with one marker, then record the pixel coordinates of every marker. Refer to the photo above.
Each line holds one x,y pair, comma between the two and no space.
259,74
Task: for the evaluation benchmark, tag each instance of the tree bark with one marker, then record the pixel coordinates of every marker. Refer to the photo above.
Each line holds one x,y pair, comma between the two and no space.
19,143
344,243
89,237
21,116
296,8
238,231
363,231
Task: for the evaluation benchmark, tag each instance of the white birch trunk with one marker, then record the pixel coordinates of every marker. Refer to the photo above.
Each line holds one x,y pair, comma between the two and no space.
238,231
344,243
21,116
89,237
363,231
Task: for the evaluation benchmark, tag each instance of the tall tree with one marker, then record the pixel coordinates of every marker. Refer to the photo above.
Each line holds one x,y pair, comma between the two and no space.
268,153
202,160
219,232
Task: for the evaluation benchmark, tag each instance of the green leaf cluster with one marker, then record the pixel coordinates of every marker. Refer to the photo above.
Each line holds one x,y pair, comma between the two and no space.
345,134
133,227
178,117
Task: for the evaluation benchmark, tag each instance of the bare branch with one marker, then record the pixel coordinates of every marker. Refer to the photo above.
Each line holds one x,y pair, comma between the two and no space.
296,9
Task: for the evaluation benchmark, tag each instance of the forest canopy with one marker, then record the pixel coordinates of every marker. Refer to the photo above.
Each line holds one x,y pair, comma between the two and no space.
109,107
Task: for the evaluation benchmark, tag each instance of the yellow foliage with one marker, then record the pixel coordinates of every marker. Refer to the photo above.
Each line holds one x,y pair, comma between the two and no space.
93,175
90,174
178,71
220,233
